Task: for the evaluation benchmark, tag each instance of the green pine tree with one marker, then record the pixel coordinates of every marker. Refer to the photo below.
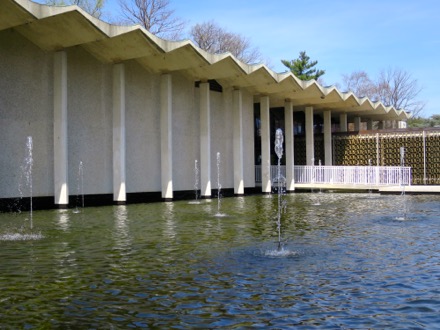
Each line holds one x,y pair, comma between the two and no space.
303,68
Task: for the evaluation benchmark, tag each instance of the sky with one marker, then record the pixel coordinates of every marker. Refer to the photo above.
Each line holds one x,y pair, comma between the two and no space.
344,36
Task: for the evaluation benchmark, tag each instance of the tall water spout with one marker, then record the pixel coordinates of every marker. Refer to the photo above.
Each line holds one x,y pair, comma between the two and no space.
369,178
80,187
313,179
279,139
402,164
81,175
320,175
27,170
218,184
196,179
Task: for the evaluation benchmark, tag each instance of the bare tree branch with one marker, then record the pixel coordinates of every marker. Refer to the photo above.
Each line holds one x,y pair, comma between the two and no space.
93,7
360,84
394,87
214,39
155,16
397,88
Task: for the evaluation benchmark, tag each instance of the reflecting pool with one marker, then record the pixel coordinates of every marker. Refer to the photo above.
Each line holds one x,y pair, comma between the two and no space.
349,261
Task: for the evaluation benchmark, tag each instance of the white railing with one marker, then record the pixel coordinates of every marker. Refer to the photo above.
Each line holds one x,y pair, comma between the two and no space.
273,172
349,175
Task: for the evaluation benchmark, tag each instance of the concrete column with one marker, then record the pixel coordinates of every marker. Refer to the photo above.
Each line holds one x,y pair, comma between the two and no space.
119,189
343,126
238,142
266,184
369,124
289,145
205,141
328,138
357,124
310,143
166,136
61,189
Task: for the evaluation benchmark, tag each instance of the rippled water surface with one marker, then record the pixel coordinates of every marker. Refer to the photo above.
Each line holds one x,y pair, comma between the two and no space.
348,261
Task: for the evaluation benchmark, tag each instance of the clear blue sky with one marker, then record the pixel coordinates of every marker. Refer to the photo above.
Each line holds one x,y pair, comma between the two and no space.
342,35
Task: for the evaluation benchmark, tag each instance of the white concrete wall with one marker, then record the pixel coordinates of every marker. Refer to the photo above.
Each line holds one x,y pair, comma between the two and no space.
89,127
142,118
248,140
186,136
221,138
26,109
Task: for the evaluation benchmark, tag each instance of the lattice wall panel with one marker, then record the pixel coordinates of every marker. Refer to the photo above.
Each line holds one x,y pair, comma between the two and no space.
422,152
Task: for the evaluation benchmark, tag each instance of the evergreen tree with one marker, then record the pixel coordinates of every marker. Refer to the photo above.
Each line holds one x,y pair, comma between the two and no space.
303,68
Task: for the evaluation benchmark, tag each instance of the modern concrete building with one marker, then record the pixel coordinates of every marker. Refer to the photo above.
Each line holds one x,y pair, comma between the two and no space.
137,110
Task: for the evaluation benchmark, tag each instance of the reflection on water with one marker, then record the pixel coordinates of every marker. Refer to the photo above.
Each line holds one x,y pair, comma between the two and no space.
121,232
347,263
63,219
20,236
168,218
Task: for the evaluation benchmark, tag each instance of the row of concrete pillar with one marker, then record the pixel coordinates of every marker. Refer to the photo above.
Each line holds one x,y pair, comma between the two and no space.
119,159
61,190
119,177
289,142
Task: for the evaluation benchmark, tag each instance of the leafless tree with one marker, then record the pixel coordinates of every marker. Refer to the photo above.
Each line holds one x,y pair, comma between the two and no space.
393,87
397,88
155,16
93,7
214,39
360,84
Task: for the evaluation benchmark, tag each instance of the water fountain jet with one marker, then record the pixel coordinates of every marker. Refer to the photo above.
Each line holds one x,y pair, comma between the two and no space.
279,139
196,181
402,184
27,171
219,186
26,176
80,187
369,178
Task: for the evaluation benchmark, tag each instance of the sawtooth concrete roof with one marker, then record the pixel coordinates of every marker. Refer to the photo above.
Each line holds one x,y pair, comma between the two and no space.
54,28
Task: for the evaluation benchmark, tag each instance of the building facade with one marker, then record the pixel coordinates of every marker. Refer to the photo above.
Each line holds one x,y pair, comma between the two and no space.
137,111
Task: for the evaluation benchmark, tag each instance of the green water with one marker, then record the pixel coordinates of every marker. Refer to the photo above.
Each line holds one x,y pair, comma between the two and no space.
350,262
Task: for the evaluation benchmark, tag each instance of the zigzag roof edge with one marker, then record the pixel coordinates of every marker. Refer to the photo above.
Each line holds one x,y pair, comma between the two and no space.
309,83
40,11
332,89
261,66
286,75
289,75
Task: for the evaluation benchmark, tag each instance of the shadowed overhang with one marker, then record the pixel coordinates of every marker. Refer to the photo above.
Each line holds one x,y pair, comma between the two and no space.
57,28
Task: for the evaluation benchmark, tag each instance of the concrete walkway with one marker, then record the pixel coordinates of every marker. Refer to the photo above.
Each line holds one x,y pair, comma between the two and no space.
411,189
419,189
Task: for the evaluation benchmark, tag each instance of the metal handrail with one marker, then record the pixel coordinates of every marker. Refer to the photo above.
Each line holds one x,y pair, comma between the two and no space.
366,175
